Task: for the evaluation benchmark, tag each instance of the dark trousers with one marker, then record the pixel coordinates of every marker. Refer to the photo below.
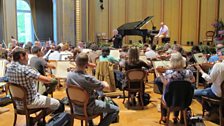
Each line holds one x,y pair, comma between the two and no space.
50,88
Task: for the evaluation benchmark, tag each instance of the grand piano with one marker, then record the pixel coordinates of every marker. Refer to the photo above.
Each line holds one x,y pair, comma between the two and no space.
134,28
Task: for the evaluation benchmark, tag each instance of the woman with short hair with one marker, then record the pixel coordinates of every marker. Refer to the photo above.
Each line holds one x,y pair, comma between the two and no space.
176,72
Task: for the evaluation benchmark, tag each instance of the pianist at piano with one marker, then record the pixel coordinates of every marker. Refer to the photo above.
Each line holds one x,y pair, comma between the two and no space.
163,32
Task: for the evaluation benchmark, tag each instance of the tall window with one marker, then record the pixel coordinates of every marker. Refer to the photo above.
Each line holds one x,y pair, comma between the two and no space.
24,22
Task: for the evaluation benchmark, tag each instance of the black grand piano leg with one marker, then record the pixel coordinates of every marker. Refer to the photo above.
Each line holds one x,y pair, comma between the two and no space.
144,39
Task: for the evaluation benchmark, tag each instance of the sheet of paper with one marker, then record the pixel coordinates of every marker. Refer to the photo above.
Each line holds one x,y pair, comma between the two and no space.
200,58
161,63
61,68
2,68
115,54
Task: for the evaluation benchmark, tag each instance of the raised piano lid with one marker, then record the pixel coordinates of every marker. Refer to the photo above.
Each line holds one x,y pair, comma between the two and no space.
135,25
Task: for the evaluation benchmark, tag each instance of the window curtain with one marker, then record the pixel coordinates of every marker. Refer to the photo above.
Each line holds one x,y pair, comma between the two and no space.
42,16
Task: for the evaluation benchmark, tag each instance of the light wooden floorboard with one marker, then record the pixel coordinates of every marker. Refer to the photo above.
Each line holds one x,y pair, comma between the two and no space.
147,117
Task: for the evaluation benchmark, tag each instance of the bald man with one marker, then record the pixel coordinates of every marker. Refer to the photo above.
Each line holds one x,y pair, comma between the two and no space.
163,32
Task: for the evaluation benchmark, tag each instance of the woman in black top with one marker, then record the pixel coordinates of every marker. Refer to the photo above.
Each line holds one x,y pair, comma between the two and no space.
134,62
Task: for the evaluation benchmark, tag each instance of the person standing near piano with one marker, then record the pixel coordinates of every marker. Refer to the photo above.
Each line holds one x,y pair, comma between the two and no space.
116,39
163,32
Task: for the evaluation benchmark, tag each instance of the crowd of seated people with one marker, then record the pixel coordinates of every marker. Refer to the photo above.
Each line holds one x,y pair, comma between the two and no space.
129,59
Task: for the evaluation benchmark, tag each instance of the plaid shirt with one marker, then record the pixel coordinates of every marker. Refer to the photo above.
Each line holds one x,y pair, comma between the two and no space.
25,76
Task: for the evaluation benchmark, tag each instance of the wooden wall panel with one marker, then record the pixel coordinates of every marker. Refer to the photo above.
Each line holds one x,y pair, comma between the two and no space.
221,10
134,13
68,23
171,18
9,20
91,20
152,9
189,21
101,15
208,16
116,14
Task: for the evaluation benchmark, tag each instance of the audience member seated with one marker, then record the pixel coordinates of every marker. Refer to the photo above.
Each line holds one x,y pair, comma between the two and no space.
28,47
3,52
106,56
64,53
214,58
40,64
91,85
176,72
55,55
151,53
145,46
134,62
118,76
20,73
37,43
80,45
123,56
46,47
93,55
216,78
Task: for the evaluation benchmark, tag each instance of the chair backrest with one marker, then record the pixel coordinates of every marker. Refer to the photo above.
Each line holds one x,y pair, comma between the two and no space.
179,94
115,53
62,69
77,96
105,72
135,76
18,94
210,34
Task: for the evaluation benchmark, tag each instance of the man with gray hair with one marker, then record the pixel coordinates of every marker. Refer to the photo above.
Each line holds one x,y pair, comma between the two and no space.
116,39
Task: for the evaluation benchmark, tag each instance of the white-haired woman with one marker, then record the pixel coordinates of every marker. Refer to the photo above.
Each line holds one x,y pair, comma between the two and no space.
176,72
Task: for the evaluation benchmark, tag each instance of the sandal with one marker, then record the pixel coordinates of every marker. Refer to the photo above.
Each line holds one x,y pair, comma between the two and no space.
164,120
175,120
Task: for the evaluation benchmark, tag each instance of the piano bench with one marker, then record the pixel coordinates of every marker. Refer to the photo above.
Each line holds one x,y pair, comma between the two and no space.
166,39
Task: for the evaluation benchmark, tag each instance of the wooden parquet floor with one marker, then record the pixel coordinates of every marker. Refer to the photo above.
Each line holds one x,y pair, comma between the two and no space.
147,117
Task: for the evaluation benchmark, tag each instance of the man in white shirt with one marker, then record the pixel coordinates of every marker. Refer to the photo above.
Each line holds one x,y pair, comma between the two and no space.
150,52
163,32
216,77
56,54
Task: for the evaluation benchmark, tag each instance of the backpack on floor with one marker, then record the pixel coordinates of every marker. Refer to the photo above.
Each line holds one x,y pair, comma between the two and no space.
146,99
60,119
5,101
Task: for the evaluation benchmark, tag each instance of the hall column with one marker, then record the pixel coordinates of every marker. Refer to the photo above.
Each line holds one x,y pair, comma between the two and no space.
9,20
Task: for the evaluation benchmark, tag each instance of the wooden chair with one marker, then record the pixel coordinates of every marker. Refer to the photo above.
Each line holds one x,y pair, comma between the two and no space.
19,94
209,37
105,72
2,74
135,83
178,96
79,97
217,101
